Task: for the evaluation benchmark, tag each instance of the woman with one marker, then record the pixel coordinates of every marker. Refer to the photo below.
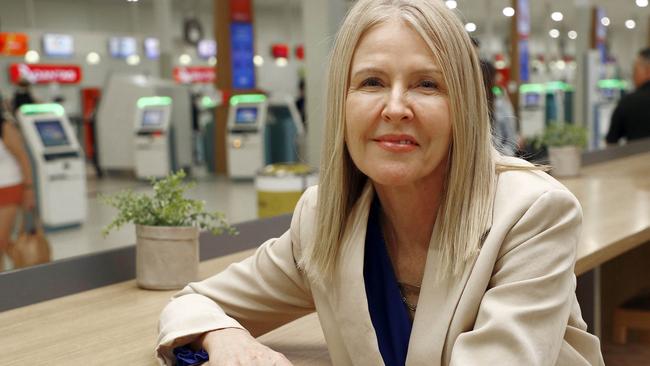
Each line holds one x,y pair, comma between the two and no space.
15,179
421,245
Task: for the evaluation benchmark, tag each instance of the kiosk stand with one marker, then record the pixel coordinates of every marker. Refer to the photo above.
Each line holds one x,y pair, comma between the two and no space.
153,138
59,170
246,120
610,92
532,109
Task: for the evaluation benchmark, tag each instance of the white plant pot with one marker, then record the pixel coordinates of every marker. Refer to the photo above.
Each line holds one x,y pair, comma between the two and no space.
167,257
565,161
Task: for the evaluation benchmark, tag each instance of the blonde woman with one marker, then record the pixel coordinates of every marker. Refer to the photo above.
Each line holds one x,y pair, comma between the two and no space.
421,245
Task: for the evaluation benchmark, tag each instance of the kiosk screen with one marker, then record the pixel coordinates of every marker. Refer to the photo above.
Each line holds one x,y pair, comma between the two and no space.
246,116
152,118
531,100
52,133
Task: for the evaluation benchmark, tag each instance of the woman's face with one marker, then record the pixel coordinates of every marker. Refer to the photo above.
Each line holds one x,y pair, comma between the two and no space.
398,129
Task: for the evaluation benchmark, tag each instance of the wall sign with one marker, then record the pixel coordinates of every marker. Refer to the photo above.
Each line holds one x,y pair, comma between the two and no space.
13,44
241,43
43,74
241,11
194,74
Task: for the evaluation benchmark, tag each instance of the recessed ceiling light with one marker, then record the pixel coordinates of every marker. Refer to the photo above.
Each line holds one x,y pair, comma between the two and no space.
508,11
93,58
470,27
258,60
641,3
605,21
451,4
554,33
573,34
630,24
557,16
32,57
184,59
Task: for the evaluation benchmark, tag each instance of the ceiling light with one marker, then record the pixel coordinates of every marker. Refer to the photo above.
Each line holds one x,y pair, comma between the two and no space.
184,59
32,57
554,33
641,3
258,60
93,58
561,65
470,27
630,24
573,34
605,21
281,62
508,11
133,60
557,16
451,4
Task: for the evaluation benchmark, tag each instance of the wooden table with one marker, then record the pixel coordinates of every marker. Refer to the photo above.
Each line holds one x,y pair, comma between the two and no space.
117,324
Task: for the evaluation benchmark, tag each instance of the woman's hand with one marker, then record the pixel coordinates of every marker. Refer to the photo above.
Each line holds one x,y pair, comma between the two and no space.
232,346
29,200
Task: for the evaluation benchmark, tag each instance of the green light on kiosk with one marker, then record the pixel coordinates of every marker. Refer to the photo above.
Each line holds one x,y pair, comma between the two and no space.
247,98
28,109
208,102
612,84
153,101
497,91
557,85
531,88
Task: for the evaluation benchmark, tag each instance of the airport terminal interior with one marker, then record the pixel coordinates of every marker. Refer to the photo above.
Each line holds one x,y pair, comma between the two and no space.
112,95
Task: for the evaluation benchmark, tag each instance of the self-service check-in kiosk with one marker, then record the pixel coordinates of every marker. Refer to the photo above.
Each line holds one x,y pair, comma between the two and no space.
59,170
559,102
532,109
610,92
246,120
262,131
153,138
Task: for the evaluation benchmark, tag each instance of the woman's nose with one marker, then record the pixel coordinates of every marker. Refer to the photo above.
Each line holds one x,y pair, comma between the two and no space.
397,107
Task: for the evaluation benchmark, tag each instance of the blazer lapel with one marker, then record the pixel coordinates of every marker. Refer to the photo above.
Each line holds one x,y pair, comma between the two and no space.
348,292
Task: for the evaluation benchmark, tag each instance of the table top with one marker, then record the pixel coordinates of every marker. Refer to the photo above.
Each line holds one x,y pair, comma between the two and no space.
117,324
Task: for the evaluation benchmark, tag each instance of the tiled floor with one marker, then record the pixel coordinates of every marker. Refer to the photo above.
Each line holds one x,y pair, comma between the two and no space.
236,199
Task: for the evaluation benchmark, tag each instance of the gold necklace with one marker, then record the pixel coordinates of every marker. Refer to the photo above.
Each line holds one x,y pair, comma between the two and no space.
400,285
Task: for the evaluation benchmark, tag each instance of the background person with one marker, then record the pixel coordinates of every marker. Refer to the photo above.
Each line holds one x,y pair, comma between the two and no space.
16,188
421,242
22,95
631,118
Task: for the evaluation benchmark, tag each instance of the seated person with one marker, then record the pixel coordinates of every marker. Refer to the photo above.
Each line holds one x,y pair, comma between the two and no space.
422,245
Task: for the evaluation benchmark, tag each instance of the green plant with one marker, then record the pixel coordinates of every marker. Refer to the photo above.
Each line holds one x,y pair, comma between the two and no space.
558,134
167,207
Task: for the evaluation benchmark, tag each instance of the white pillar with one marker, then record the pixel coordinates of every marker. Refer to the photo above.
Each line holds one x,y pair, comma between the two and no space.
321,20
163,19
583,45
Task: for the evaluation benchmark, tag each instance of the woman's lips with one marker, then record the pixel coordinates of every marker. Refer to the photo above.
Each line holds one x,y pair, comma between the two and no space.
397,143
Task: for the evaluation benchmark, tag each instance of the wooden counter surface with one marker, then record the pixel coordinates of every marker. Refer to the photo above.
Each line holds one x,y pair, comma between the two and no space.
117,324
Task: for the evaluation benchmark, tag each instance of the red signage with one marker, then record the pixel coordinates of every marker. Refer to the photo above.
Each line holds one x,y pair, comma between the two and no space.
280,50
43,74
194,74
13,44
241,11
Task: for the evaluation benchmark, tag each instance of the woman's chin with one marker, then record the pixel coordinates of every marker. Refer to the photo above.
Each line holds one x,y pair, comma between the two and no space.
390,177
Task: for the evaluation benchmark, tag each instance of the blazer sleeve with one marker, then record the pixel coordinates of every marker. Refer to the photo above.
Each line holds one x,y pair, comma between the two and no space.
523,316
259,294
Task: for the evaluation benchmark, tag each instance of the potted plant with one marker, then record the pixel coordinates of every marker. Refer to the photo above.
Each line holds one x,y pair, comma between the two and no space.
167,230
565,142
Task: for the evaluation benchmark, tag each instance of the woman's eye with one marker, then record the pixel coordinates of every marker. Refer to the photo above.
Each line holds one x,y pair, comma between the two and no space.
371,82
429,84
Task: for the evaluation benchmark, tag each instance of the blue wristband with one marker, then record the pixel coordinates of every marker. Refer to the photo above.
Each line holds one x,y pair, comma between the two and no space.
185,356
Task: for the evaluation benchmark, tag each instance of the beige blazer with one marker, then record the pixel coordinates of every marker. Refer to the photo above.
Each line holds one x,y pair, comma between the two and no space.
515,305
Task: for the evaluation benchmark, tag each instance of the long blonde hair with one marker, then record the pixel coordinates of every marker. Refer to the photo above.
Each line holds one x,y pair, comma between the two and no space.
464,213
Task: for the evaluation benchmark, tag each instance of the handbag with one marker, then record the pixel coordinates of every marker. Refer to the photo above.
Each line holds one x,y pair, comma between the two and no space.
31,247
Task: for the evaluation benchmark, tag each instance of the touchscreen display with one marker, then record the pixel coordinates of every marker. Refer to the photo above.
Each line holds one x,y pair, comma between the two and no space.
245,116
532,99
152,117
52,133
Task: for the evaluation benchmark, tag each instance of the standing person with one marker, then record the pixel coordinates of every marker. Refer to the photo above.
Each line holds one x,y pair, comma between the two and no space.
631,118
16,188
422,245
22,95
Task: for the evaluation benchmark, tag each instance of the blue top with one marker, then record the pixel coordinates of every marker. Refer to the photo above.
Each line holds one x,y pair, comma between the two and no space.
389,315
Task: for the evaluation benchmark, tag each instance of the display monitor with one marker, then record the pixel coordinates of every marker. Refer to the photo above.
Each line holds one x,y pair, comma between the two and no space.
532,99
152,117
58,45
122,47
246,116
206,48
52,133
152,48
